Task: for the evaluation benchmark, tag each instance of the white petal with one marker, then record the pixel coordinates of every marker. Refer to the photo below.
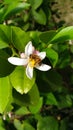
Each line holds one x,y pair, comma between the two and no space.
42,55
29,72
43,67
17,61
29,49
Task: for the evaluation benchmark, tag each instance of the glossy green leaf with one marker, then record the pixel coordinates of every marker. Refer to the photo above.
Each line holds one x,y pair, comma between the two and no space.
51,100
52,55
5,67
19,38
47,123
63,35
40,17
5,93
20,81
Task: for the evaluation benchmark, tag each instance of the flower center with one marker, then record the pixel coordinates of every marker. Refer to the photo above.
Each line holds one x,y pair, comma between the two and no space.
34,60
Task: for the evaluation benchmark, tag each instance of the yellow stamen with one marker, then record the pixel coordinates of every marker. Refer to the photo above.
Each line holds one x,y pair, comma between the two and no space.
34,60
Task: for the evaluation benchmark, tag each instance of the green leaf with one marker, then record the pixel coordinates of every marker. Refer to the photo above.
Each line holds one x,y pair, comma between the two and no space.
47,36
5,93
20,81
21,100
22,126
52,55
13,35
5,67
47,123
2,127
63,35
36,109
63,124
64,101
64,59
49,81
27,99
18,125
10,7
22,111
27,126
34,92
34,35
51,100
9,1
39,16
15,7
19,38
5,34
3,44
36,3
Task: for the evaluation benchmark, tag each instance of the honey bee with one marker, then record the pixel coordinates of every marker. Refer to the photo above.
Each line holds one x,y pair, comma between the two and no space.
34,60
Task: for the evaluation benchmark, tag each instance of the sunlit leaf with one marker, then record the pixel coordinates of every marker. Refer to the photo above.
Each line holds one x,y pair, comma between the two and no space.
5,93
20,81
63,35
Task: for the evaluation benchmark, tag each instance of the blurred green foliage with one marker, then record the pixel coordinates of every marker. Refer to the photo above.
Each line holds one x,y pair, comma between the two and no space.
48,102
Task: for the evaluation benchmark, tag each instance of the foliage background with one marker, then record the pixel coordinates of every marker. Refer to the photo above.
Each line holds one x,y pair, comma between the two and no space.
48,103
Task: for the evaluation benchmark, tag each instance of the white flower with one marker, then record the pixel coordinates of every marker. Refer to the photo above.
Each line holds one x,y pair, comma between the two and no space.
31,58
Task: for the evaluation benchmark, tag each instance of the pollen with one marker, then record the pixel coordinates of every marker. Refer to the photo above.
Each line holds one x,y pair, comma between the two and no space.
34,60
